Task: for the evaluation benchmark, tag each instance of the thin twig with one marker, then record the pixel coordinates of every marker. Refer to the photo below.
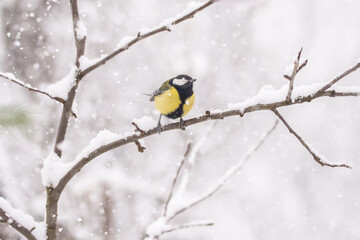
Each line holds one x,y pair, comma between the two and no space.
137,128
30,88
139,146
316,156
183,159
16,225
189,225
291,78
338,78
231,172
141,36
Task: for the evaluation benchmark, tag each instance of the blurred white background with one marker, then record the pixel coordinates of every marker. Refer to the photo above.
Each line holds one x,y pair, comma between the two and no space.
233,48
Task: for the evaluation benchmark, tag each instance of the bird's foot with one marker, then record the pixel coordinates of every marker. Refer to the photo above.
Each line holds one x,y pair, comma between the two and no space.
182,124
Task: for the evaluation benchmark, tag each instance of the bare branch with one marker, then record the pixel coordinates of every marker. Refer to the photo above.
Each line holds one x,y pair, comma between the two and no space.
176,179
137,128
206,117
141,36
189,225
291,78
226,177
338,78
6,218
139,146
315,155
29,87
79,42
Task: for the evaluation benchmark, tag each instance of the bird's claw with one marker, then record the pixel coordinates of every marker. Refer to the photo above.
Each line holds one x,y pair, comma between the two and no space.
159,128
182,124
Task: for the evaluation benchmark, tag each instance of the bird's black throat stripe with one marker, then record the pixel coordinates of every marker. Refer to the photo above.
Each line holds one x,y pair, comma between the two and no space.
184,94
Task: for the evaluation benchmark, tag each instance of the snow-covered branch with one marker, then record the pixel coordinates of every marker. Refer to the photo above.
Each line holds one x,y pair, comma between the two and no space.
266,99
166,25
317,157
12,78
17,219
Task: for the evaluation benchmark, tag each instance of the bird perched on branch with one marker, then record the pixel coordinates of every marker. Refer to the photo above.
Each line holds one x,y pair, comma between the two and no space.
174,98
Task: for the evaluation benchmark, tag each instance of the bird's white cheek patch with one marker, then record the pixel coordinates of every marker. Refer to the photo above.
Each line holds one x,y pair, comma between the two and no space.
179,82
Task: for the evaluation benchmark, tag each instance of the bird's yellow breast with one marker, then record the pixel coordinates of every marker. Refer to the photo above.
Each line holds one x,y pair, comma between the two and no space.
168,101
189,102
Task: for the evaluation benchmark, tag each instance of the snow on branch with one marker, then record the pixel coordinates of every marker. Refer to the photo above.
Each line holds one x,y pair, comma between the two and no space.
166,25
317,157
11,77
21,222
61,88
55,168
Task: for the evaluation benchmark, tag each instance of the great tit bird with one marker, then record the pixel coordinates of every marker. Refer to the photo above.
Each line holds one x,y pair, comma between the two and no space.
174,98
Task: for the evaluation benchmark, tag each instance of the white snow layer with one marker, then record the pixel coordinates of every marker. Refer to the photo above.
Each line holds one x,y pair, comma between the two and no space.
81,30
124,42
54,169
190,7
104,137
268,94
156,228
145,123
13,78
62,88
25,220
86,62
166,23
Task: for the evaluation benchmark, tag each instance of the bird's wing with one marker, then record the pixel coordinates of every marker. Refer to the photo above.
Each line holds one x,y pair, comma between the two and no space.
164,87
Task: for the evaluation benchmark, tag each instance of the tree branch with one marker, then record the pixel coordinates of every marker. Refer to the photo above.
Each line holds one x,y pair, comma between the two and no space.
79,40
183,159
338,78
10,76
206,117
189,225
16,225
141,36
297,67
315,155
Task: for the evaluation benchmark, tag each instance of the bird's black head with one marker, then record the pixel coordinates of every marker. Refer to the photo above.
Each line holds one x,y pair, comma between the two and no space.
182,81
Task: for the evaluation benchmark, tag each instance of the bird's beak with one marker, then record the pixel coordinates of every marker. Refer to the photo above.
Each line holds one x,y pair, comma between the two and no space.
192,80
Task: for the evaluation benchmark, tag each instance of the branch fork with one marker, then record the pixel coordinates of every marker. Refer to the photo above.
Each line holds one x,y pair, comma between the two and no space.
297,67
